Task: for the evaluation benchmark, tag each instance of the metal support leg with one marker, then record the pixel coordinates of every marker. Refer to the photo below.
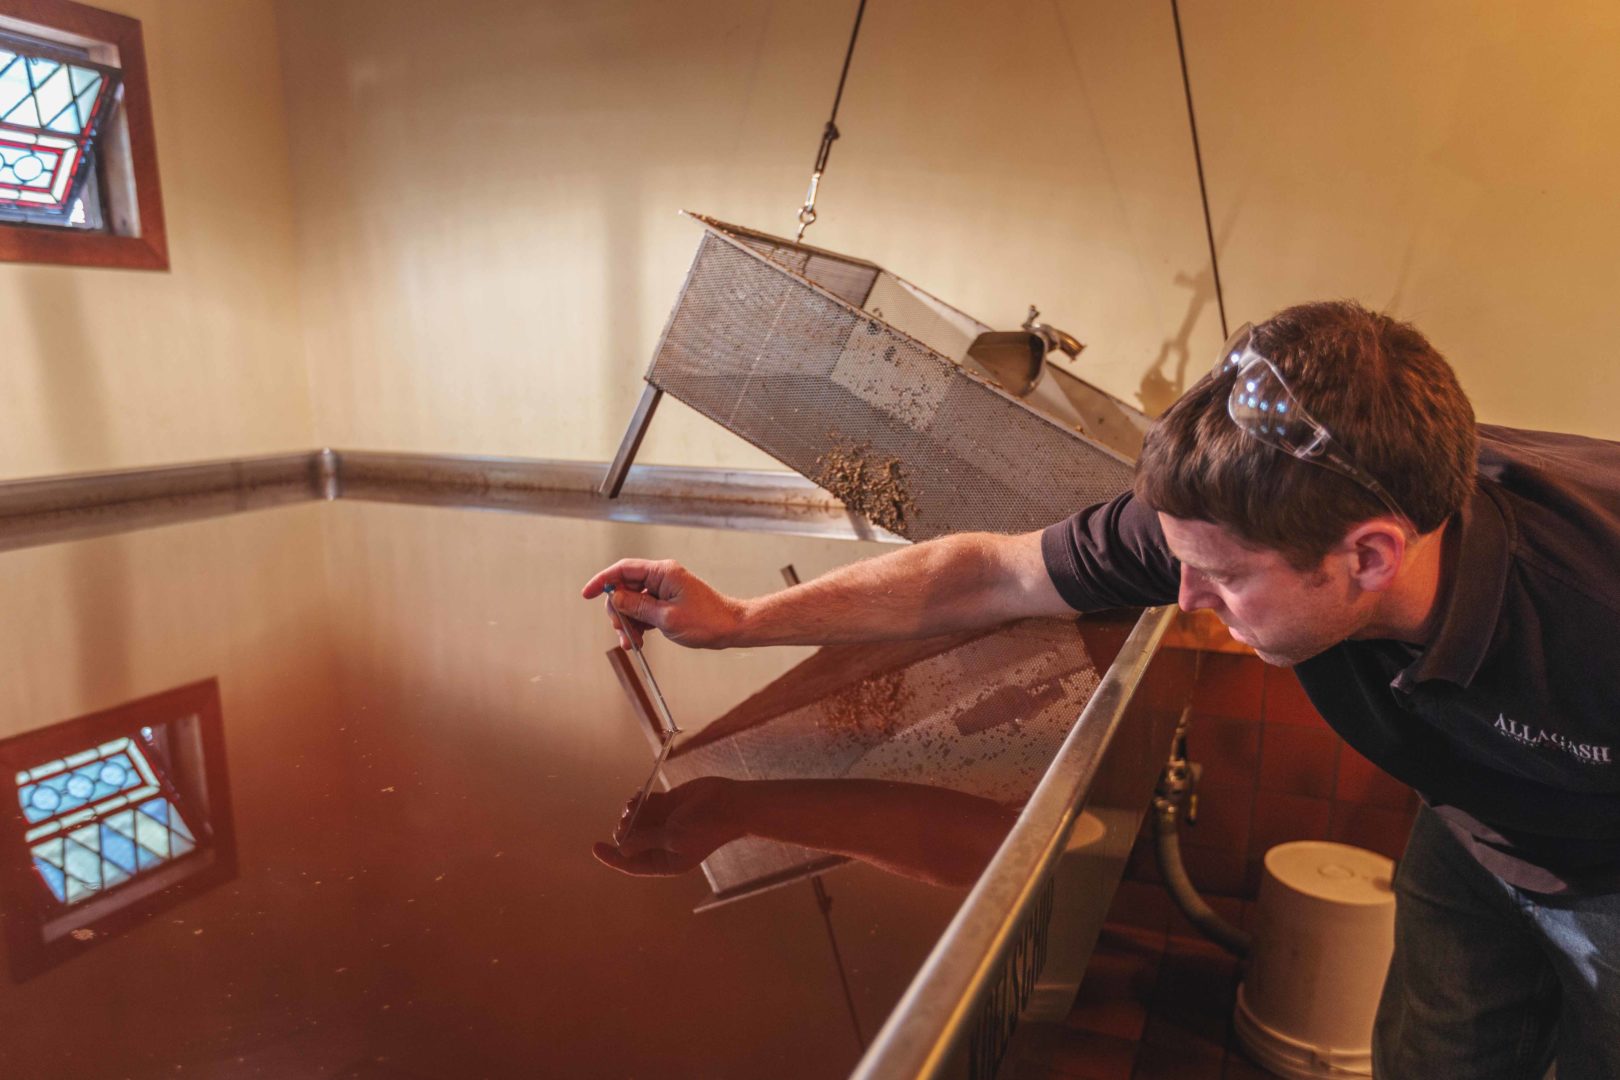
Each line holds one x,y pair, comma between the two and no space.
620,468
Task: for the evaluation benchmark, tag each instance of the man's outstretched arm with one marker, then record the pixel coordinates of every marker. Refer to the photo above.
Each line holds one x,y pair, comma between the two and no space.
959,582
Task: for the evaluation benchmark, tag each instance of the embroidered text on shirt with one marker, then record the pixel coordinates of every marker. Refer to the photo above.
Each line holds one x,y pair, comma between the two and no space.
1523,733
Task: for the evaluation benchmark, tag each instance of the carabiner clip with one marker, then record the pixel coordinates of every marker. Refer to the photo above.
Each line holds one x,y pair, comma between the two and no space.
807,212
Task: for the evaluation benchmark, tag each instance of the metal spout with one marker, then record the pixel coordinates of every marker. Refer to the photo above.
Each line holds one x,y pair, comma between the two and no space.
1015,359
1054,338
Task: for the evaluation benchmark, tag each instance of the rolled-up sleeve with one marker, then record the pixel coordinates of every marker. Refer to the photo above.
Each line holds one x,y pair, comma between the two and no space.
1111,555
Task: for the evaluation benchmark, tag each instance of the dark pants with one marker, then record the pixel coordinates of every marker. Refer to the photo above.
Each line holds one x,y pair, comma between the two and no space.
1489,981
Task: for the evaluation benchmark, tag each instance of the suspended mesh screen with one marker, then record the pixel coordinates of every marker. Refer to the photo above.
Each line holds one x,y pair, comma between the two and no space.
852,377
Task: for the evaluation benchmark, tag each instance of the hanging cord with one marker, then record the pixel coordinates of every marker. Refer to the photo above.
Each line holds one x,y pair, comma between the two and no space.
807,212
1203,191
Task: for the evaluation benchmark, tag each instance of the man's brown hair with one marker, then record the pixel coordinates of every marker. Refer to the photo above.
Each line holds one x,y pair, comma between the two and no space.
1390,400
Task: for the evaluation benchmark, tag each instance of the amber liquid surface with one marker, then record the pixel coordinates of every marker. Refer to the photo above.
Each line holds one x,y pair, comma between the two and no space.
424,739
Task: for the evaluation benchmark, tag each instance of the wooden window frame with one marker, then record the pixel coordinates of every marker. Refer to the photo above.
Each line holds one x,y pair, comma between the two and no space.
24,907
148,248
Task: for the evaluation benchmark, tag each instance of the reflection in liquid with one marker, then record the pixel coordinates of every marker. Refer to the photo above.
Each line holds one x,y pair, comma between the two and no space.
928,833
423,746
961,725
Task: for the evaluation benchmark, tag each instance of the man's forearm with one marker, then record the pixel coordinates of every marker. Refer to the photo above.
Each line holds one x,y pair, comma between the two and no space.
955,583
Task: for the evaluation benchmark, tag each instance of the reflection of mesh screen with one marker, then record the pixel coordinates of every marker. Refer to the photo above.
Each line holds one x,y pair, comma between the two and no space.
981,713
757,344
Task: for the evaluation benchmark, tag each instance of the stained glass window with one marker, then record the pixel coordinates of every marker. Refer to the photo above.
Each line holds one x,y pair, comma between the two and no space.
99,818
52,105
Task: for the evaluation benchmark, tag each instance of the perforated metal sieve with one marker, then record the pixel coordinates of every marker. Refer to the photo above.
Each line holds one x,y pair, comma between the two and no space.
861,382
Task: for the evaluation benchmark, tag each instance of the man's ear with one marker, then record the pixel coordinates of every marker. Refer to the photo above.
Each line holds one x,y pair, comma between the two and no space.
1376,549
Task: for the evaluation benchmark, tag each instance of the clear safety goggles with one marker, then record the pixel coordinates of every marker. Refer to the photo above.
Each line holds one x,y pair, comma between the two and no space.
1264,407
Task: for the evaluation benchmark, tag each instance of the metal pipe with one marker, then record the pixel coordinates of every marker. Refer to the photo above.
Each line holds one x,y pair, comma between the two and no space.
49,509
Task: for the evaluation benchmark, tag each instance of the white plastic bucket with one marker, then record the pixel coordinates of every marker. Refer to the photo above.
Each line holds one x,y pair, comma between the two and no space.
1324,933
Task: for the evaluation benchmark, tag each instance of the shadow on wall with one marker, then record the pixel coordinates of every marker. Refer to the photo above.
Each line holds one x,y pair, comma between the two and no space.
76,409
1159,390
1398,295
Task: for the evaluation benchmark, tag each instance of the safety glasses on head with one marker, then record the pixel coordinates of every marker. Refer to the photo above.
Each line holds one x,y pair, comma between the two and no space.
1265,408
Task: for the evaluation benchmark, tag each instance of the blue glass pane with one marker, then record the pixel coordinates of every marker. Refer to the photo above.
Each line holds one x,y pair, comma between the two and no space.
147,858
62,787
123,821
50,851
85,80
39,802
23,113
152,836
65,120
78,890
41,68
181,845
118,849
56,100
13,85
53,877
111,874
157,808
179,826
89,836
83,864
115,773
87,97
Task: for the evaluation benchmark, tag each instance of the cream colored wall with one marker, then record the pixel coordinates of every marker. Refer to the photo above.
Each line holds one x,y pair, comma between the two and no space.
486,197
117,368
1453,162
487,192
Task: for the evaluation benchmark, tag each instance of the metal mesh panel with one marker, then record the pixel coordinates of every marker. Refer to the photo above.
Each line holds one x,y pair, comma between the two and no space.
848,279
903,435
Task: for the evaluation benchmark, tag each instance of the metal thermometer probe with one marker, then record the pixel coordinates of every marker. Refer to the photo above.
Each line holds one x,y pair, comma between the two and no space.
666,737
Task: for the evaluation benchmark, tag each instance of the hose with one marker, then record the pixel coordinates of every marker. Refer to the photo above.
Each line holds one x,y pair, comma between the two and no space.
1167,845
1174,785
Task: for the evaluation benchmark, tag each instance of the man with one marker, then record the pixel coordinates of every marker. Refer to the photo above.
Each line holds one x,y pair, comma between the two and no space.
1449,596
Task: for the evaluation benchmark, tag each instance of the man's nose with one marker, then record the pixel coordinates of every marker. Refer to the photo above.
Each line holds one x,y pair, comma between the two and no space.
1194,593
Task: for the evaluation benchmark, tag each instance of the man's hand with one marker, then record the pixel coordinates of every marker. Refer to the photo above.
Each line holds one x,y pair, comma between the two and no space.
666,596
676,830
960,582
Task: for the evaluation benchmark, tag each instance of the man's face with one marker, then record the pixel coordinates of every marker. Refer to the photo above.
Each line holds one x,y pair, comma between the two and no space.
1285,615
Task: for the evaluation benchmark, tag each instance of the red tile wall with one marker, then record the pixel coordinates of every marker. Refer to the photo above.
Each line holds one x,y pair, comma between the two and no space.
1273,771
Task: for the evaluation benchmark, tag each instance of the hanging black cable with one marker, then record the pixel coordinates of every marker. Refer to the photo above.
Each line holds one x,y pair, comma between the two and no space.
807,213
1203,190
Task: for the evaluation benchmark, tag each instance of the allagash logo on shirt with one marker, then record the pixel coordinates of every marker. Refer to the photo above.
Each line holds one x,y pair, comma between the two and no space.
1537,737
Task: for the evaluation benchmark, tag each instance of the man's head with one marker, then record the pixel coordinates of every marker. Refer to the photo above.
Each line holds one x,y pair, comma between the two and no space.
1290,554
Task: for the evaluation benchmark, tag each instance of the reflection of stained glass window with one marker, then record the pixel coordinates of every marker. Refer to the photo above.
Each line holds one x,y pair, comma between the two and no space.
100,817
51,107
120,814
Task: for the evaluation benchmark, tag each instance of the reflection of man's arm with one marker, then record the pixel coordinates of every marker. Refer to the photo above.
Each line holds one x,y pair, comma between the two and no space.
933,834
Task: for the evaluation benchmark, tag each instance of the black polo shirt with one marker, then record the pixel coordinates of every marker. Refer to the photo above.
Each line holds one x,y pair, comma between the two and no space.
1508,723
